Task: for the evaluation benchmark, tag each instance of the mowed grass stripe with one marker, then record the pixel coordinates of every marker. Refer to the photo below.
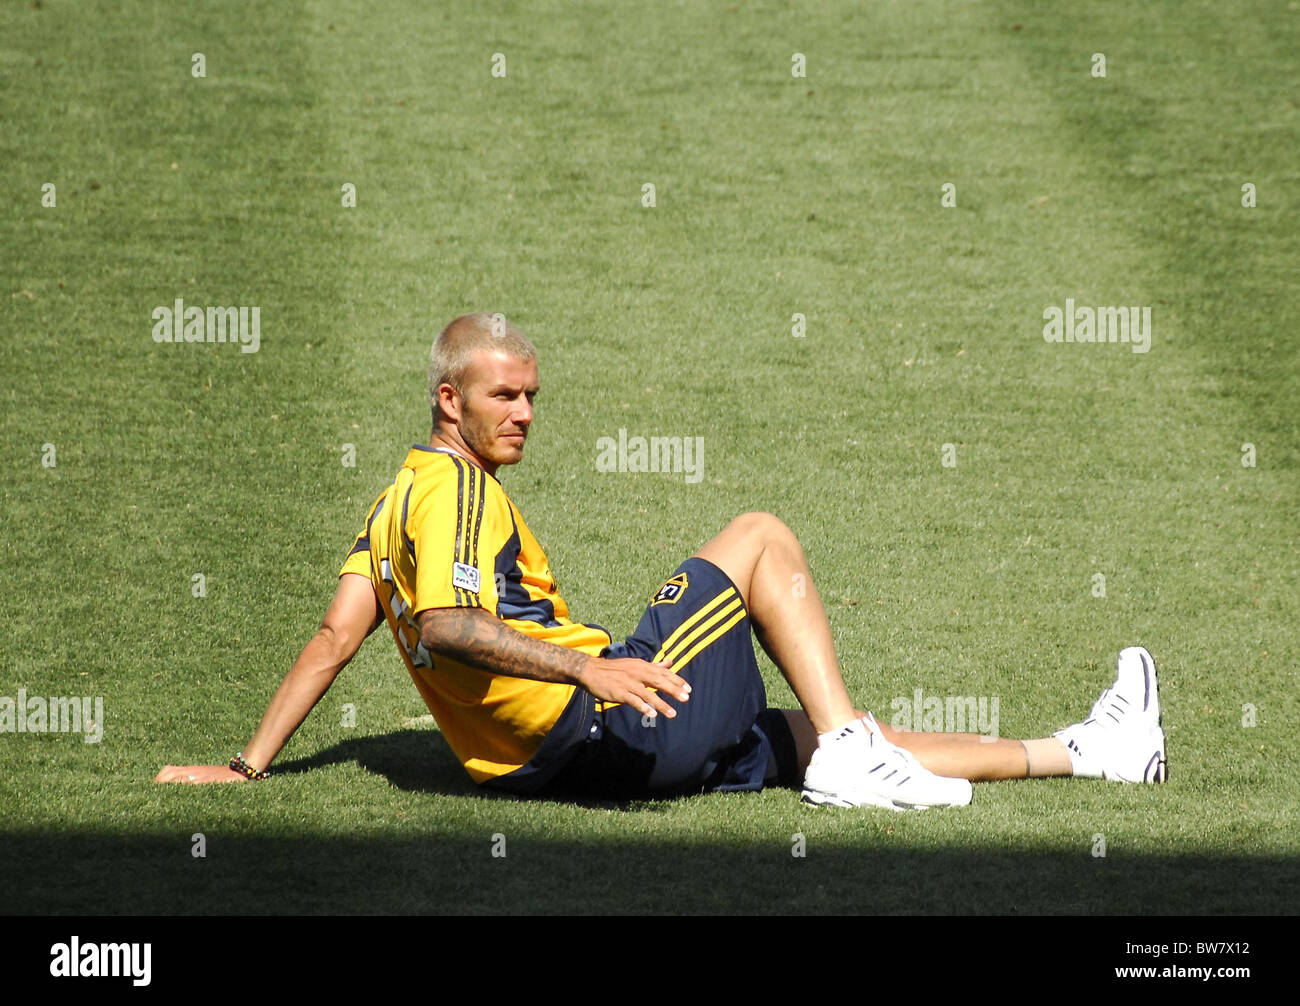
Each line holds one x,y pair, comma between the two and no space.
1223,362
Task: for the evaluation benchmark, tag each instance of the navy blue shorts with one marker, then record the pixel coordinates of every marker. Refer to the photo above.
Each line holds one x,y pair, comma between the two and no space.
723,738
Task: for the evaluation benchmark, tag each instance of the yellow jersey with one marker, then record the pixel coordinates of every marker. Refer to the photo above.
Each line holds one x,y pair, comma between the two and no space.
445,535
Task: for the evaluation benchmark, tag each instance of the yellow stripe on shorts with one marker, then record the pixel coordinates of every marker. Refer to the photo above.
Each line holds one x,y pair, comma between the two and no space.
678,665
698,623
680,646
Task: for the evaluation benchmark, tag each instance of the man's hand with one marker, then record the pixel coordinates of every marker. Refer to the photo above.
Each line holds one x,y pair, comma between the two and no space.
475,637
635,682
199,774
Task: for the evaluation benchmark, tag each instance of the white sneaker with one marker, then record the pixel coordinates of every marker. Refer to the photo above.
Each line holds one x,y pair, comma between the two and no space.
859,767
1121,739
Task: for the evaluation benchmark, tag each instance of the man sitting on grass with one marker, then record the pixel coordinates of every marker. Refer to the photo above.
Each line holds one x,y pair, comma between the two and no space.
532,702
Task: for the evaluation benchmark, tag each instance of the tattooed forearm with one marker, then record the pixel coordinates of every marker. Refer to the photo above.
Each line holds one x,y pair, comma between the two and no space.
473,636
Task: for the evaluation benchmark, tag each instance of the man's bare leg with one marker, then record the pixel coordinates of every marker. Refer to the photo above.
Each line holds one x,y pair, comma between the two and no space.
963,756
766,563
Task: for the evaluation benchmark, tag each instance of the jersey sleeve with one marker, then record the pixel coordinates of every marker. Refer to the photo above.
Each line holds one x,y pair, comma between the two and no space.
453,534
358,560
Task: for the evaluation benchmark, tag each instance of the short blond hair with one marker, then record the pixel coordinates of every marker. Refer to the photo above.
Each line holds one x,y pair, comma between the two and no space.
453,351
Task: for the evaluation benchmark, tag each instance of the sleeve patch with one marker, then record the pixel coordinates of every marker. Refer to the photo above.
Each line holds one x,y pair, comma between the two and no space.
464,576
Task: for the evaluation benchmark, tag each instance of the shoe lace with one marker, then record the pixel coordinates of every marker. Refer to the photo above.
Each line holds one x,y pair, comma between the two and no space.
1109,709
881,746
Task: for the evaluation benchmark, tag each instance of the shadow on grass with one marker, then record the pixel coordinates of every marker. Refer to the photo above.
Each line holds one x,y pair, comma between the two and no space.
445,865
420,761
453,872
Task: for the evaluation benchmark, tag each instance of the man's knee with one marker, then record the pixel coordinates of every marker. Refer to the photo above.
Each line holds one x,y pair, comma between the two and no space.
739,546
761,526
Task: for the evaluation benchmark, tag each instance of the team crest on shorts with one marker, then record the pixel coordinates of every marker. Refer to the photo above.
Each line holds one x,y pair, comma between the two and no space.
672,590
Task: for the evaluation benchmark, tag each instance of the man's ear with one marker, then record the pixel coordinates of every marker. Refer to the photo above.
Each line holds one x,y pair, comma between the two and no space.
449,402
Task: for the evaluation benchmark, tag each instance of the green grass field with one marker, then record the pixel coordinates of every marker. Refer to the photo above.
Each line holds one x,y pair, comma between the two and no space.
775,195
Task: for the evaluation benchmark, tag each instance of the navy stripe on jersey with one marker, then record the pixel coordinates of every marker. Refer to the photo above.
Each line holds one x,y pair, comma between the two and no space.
462,599
363,539
467,543
469,520
513,600
470,493
406,503
481,478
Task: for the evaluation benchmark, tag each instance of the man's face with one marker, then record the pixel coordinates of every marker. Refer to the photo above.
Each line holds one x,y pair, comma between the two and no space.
497,407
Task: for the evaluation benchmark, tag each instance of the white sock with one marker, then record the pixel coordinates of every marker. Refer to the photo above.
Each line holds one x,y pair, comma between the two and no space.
1080,765
849,729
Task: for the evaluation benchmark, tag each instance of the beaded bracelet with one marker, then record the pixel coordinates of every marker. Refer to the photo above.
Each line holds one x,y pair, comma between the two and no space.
237,764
